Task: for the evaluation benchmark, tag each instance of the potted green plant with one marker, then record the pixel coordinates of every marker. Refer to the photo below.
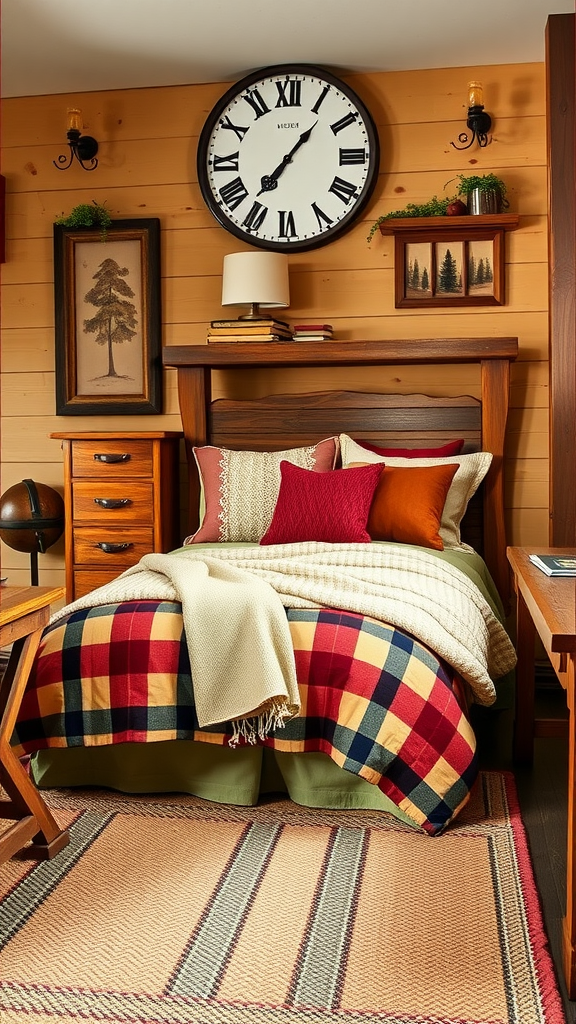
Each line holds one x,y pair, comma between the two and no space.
87,215
484,193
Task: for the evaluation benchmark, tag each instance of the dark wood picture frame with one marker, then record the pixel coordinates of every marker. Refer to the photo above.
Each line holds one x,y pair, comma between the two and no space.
461,252
436,233
108,354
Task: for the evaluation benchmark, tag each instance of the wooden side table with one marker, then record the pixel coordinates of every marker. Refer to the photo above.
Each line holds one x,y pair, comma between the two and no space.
548,605
24,612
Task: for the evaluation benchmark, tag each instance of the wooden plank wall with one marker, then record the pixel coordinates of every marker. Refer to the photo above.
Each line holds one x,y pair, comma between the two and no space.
147,168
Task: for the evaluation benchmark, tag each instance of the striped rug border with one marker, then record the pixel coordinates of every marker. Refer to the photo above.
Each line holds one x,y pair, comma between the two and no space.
263,826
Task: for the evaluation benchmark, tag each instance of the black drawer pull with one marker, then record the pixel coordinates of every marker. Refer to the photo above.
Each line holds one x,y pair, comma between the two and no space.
113,502
113,457
112,549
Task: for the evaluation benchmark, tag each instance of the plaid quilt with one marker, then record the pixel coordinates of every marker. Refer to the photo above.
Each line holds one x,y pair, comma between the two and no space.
377,701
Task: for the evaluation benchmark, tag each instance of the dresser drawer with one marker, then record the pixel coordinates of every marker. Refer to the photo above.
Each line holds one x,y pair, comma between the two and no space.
109,459
121,546
86,580
129,501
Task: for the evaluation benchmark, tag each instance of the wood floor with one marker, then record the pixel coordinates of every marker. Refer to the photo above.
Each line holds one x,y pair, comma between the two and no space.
542,791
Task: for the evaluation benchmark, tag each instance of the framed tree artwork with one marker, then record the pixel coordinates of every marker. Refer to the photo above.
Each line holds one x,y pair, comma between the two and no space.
108,319
449,261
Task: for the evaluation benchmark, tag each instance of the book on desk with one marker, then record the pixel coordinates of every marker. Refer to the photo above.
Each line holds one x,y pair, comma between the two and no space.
555,565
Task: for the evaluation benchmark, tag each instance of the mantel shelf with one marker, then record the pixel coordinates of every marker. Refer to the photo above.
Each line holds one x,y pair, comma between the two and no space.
470,222
267,354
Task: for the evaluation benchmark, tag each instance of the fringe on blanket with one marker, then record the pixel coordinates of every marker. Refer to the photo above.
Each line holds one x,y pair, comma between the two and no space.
258,727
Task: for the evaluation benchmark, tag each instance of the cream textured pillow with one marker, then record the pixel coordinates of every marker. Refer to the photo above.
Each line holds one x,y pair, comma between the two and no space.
240,489
471,471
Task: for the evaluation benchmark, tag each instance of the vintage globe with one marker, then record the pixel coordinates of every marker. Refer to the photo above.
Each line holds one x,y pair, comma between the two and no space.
31,516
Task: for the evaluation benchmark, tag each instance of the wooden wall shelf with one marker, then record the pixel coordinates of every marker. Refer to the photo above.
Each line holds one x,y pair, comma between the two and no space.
449,261
471,223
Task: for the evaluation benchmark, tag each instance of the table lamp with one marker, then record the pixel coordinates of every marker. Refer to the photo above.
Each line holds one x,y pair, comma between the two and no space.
255,279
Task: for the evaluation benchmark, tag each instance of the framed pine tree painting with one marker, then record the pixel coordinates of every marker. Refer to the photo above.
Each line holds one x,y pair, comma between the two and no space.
108,319
449,261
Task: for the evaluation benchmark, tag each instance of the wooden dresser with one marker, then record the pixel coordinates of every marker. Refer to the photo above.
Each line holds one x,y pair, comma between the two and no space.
121,502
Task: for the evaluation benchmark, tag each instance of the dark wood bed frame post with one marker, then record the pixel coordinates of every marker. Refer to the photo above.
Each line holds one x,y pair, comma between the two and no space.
493,355
194,396
495,382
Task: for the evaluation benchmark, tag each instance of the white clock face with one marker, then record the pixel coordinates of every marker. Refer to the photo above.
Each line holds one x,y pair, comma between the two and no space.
288,158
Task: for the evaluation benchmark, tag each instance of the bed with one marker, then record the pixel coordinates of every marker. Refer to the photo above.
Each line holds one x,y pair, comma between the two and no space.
384,719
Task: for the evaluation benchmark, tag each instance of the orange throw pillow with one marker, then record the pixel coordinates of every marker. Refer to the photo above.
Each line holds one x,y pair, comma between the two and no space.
408,504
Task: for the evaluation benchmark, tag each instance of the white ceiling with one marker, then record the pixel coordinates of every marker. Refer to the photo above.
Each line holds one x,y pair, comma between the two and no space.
67,46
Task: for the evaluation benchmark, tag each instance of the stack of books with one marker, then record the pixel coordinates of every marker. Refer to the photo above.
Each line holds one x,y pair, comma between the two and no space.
555,565
313,332
266,329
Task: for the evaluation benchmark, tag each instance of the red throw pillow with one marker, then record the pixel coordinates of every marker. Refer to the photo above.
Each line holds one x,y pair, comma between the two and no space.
451,448
408,504
331,507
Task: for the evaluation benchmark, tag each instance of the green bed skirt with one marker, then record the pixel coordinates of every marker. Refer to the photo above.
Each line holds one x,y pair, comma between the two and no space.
215,773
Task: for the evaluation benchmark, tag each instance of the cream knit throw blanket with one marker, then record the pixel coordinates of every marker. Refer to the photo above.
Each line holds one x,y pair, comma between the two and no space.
241,654
238,636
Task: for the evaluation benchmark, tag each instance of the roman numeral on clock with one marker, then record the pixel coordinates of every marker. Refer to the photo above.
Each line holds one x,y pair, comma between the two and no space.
352,156
345,190
287,227
294,89
257,103
254,217
344,122
238,129
233,193
321,99
227,163
321,217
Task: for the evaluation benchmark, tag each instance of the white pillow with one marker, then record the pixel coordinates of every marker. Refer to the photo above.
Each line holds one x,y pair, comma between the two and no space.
471,471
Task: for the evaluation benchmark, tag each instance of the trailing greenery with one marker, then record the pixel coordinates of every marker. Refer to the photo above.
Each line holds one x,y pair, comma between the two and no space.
87,215
433,208
437,207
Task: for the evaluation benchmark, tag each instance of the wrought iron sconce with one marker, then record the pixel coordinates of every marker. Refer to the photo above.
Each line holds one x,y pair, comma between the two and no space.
83,147
478,121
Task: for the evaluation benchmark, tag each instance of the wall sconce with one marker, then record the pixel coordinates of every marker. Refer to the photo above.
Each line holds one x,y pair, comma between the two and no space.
255,279
478,122
83,147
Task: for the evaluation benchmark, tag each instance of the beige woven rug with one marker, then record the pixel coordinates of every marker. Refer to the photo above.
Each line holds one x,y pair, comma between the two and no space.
172,910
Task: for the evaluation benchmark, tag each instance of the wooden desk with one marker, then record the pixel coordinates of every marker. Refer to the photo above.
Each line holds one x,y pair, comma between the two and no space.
24,612
548,605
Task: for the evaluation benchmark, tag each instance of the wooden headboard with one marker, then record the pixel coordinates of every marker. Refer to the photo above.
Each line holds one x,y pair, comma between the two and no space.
284,421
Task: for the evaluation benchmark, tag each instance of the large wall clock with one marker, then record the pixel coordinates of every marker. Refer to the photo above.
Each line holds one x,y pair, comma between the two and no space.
288,158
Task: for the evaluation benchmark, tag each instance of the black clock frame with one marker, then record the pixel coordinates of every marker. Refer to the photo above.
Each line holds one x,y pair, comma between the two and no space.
217,209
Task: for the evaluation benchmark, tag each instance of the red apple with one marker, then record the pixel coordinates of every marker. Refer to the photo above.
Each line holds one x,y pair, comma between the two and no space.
456,208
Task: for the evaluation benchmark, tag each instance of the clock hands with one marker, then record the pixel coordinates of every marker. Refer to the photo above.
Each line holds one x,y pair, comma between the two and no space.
269,182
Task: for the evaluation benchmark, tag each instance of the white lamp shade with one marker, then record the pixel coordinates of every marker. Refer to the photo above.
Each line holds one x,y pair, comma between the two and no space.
256,277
